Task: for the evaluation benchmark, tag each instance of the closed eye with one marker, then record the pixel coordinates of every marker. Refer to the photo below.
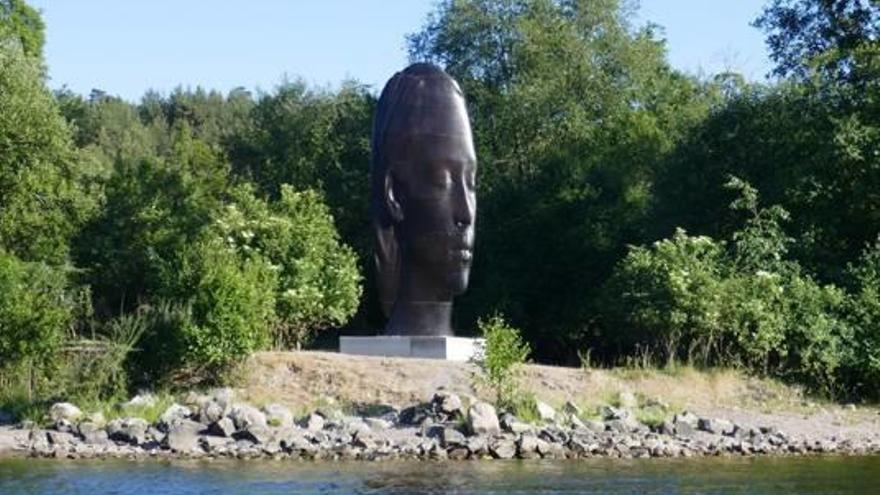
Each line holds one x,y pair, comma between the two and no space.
441,179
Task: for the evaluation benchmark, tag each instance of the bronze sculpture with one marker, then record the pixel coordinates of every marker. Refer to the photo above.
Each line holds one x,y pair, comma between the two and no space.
423,199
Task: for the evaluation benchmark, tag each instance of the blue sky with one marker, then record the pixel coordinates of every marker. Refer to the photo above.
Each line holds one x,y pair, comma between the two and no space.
127,47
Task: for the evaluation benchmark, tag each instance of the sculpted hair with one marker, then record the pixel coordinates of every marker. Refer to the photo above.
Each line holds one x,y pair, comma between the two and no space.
398,104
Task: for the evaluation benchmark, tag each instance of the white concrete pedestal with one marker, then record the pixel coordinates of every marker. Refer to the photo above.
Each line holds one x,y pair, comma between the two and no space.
448,348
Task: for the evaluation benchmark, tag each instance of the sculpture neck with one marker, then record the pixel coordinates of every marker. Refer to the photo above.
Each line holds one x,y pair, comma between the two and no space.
420,318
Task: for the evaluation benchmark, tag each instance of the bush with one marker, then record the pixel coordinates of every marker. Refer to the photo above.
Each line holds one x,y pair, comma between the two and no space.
504,351
162,348
231,303
864,316
35,310
737,303
669,298
318,282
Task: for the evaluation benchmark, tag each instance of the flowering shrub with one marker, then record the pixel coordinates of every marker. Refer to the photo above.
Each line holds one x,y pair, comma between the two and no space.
735,303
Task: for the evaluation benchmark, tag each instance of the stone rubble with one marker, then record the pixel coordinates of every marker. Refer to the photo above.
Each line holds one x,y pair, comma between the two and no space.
446,427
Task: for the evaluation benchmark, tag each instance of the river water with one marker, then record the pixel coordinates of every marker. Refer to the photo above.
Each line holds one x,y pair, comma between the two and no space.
827,475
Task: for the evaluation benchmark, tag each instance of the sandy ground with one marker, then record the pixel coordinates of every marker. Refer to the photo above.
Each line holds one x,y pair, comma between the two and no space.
304,380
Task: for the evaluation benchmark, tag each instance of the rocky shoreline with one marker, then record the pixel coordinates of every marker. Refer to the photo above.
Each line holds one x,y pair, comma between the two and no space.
217,426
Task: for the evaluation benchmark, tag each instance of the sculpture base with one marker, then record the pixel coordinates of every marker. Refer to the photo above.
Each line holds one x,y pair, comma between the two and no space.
448,348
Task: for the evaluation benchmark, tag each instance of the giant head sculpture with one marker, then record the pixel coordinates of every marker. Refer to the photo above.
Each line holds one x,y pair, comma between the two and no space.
423,199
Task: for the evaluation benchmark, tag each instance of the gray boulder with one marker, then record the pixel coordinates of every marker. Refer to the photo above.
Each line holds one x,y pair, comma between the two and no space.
684,429
686,417
92,433
60,438
258,434
173,414
478,446
545,412
716,426
64,410
293,439
246,415
315,422
95,437
364,440
685,424
224,427
626,425
129,430
594,425
223,396
211,411
553,434
183,435
447,402
527,447
483,420
278,416
194,400
452,438
576,423
503,448
64,426
510,423
214,444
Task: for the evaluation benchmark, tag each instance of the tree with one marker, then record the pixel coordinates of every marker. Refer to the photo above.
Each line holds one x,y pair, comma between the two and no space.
837,38
45,197
23,23
154,207
317,140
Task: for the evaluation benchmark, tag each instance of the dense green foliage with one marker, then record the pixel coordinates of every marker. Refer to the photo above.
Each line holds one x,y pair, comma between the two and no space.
832,37
34,310
317,276
213,224
22,24
43,203
741,302
230,298
131,242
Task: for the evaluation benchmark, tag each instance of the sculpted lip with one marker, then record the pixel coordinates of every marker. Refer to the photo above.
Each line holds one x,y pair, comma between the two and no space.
464,255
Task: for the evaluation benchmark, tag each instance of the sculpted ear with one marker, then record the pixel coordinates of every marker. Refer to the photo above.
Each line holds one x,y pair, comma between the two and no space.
391,202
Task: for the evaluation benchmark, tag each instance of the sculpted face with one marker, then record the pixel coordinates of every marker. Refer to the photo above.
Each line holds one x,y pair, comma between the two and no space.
424,200
433,183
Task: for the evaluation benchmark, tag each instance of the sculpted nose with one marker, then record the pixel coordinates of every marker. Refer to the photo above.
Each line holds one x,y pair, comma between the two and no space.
465,208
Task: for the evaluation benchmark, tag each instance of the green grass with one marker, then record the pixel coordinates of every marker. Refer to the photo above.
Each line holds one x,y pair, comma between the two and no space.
651,415
113,409
525,408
